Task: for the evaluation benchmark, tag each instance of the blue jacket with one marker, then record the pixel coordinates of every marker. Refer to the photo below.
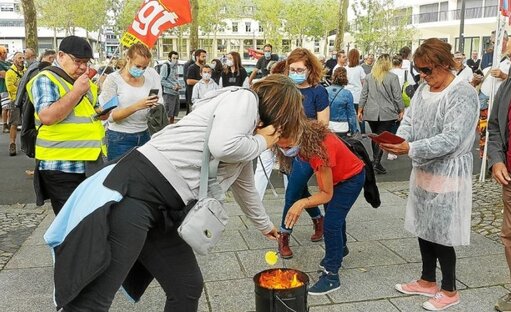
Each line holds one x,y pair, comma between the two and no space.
341,106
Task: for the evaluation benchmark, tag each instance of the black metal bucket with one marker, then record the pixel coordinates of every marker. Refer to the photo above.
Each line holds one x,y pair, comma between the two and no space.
282,300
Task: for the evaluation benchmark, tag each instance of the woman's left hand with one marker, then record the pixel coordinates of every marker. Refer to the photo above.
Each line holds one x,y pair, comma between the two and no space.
293,214
398,149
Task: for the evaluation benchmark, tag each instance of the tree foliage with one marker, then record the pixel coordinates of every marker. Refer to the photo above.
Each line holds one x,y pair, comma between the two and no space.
380,27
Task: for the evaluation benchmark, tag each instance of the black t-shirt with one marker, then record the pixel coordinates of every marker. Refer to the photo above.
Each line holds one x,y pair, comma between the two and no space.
262,63
192,73
234,79
473,64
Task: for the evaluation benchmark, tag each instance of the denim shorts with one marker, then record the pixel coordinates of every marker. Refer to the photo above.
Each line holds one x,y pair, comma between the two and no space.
119,143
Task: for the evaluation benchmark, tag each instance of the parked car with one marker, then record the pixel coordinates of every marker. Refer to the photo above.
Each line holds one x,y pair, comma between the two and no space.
249,66
180,73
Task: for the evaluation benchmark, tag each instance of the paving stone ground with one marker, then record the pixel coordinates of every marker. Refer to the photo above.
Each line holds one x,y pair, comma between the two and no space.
382,253
17,222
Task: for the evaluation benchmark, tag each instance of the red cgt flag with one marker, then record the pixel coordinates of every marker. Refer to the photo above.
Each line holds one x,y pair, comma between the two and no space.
154,17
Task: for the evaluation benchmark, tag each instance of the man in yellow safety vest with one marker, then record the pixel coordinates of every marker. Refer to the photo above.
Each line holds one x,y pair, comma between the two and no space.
70,139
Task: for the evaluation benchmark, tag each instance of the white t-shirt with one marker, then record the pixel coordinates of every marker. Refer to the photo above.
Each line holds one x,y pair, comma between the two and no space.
400,72
466,74
115,85
355,77
488,81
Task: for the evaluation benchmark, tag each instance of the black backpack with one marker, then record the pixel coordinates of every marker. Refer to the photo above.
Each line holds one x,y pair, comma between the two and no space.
29,131
371,192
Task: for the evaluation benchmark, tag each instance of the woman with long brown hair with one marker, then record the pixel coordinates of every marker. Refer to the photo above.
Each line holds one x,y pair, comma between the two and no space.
234,74
340,175
132,209
306,71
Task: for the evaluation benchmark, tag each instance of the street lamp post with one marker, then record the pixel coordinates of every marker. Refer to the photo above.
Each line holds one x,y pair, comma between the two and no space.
461,46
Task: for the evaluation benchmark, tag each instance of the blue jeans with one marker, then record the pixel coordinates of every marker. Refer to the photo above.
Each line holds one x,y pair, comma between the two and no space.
297,189
119,143
345,195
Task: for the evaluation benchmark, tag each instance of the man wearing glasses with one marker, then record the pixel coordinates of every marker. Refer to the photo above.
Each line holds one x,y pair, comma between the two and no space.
70,139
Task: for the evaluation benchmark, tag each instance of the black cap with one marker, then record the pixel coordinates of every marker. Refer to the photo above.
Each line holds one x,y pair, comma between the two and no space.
76,46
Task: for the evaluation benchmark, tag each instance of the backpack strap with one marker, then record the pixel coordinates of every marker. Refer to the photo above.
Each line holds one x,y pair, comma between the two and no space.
15,71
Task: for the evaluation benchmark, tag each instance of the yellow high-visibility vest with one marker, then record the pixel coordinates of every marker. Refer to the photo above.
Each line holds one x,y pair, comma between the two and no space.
79,137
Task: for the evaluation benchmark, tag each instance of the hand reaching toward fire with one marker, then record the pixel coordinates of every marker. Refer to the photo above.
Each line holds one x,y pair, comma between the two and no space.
294,213
273,234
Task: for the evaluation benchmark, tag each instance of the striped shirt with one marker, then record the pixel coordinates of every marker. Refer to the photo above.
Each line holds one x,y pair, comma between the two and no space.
44,94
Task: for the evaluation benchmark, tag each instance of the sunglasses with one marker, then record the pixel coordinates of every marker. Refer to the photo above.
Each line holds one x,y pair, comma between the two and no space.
425,70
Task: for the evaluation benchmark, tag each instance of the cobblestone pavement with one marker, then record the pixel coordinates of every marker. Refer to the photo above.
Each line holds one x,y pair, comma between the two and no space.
486,210
17,222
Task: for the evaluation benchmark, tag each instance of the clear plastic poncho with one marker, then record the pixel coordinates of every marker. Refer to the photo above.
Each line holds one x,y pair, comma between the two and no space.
440,127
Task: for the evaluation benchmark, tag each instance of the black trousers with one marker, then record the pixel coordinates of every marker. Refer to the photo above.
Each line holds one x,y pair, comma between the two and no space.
136,233
58,186
378,127
446,255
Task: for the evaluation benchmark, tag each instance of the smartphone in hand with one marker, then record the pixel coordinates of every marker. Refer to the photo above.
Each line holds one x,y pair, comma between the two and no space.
154,92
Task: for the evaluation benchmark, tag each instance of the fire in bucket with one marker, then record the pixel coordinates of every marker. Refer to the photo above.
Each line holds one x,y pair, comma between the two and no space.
281,290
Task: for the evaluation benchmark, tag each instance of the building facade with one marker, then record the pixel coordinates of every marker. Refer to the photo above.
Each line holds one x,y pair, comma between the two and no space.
12,30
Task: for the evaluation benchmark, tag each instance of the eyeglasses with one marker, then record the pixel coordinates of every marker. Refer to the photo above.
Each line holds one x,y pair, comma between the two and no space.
79,62
425,70
297,70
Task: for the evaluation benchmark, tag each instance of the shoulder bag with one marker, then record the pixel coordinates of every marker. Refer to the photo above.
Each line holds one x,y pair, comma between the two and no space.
205,222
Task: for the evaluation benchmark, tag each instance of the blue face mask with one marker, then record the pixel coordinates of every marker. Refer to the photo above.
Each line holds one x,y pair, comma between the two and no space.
290,152
267,55
298,78
136,72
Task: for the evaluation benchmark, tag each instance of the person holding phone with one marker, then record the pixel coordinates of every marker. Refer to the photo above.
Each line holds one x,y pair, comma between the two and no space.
138,88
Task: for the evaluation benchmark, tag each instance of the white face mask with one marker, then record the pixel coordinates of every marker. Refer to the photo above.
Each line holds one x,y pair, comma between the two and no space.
206,76
229,63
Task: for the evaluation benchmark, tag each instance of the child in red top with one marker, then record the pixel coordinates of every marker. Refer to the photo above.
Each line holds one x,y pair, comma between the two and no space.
340,175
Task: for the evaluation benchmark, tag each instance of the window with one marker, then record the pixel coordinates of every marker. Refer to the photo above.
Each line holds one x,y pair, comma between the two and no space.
248,27
316,45
261,29
7,7
221,46
12,23
167,45
206,44
234,27
286,46
235,45
260,44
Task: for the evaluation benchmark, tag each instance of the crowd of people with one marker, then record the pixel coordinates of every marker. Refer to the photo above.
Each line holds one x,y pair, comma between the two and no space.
121,191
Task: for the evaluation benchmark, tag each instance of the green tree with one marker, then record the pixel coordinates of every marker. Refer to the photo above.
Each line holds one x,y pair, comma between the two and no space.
268,14
30,17
380,27
124,13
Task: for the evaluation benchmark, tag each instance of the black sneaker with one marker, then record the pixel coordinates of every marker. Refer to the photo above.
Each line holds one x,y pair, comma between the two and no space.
12,149
378,168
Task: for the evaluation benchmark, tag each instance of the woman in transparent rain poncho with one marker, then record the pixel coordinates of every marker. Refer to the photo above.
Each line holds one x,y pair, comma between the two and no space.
439,132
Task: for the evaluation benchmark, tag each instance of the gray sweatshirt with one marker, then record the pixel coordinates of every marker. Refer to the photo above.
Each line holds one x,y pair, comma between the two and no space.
177,149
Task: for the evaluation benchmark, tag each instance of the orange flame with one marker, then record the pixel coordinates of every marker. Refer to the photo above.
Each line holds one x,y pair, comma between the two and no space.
279,279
